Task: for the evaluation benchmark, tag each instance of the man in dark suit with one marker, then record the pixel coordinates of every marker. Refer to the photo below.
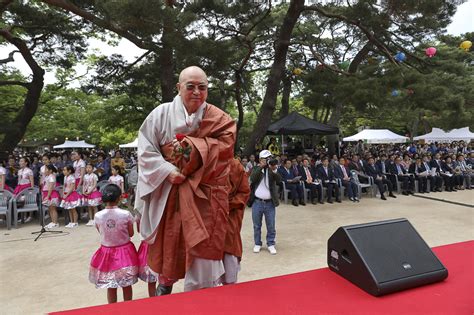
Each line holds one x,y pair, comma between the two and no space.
407,180
421,175
379,179
436,181
308,176
343,174
440,170
356,165
287,176
328,179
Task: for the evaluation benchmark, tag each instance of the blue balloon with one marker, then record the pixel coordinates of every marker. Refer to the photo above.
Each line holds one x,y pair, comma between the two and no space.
395,92
400,57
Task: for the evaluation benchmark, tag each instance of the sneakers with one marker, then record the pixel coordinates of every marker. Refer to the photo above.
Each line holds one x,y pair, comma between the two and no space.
90,223
256,248
28,219
52,226
272,250
72,225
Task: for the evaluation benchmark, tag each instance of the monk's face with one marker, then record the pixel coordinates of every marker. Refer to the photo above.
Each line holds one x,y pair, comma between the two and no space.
192,88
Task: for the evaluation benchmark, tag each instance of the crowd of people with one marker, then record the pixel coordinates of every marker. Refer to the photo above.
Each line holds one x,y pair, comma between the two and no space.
66,179
431,166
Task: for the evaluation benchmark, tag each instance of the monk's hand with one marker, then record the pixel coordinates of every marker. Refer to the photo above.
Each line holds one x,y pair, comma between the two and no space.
176,145
175,177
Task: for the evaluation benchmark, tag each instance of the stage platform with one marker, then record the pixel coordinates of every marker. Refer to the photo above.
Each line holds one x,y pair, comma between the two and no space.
317,292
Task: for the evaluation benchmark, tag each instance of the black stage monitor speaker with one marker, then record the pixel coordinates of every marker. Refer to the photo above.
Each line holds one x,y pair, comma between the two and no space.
383,257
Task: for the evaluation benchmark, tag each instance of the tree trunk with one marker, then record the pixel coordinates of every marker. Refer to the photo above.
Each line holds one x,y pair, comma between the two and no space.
285,98
17,128
333,140
240,107
276,72
167,80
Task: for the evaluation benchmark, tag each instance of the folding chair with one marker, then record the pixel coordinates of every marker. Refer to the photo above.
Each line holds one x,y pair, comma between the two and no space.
32,202
6,199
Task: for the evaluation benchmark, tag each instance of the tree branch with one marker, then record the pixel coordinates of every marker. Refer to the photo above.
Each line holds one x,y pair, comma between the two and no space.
4,4
10,57
70,7
23,84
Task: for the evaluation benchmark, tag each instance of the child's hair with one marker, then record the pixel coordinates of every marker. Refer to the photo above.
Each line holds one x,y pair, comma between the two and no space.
92,165
111,193
52,168
27,161
70,169
118,169
46,155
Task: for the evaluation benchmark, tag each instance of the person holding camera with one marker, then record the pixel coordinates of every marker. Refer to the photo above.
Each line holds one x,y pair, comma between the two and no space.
264,199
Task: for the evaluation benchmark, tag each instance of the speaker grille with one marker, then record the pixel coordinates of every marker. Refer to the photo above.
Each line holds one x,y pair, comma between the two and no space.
393,250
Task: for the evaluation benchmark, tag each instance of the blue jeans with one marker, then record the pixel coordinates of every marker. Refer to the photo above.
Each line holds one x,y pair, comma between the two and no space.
260,209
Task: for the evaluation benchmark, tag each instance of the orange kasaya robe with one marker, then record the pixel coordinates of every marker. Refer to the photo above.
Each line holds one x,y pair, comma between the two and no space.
238,195
195,217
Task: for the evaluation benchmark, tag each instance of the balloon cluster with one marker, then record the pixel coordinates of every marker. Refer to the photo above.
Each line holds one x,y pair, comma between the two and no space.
396,92
466,45
430,51
400,57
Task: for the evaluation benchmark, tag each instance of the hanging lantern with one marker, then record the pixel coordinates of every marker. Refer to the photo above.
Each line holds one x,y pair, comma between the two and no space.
430,51
320,67
400,57
297,71
466,45
345,65
410,92
395,92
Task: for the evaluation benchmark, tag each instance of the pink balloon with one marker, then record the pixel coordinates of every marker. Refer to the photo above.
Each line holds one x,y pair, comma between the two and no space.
430,51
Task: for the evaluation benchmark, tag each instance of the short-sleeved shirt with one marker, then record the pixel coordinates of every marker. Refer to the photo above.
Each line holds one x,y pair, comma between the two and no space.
3,171
24,176
88,182
77,167
50,179
69,183
113,226
117,180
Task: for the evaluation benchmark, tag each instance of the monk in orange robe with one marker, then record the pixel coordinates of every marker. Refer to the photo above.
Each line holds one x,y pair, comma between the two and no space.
184,151
239,193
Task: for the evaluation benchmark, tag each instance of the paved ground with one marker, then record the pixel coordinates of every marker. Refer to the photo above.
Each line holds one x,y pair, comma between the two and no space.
51,274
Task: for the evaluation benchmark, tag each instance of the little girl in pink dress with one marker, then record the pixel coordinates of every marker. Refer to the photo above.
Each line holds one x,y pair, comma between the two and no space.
50,196
115,263
91,196
71,199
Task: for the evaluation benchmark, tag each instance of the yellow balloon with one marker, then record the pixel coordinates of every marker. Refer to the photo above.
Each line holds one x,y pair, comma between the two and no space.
297,71
466,45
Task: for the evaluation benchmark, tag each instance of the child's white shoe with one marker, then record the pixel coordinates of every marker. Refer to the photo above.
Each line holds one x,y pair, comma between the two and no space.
90,223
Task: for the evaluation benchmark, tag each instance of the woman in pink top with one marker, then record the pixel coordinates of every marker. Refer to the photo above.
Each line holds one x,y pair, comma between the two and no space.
79,167
25,177
3,174
115,263
71,199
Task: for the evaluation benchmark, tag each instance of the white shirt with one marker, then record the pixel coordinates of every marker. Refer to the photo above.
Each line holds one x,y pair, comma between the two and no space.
113,226
263,190
24,176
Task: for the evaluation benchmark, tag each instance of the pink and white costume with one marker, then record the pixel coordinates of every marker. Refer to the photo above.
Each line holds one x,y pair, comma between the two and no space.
3,172
144,272
74,199
116,179
91,196
78,165
115,263
54,199
24,182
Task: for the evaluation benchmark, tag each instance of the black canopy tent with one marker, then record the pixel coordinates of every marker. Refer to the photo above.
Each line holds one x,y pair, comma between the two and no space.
297,124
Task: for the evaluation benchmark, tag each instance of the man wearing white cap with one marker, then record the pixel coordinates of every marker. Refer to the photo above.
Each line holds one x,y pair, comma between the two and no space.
263,199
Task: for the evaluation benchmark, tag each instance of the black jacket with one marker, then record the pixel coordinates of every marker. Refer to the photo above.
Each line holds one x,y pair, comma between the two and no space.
256,177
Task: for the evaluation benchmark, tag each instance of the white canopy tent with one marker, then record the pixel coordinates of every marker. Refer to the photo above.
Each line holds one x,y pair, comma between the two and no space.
74,144
461,134
377,136
133,144
436,134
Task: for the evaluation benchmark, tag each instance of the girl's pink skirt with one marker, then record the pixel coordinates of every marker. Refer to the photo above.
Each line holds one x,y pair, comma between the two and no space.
144,272
92,200
6,187
20,188
71,201
114,267
53,200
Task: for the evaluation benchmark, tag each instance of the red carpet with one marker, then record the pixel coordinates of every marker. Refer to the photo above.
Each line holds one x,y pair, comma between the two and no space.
317,292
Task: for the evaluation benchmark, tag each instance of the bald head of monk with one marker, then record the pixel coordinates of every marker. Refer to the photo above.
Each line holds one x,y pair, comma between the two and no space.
192,87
